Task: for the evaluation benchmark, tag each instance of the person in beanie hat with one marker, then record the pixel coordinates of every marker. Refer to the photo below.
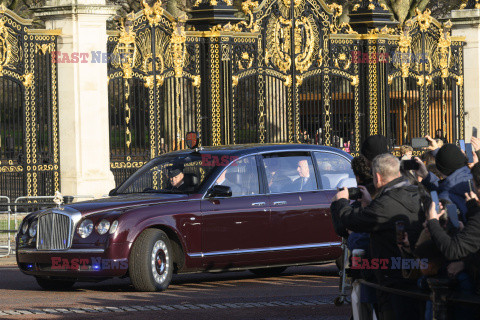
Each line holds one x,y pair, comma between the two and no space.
450,158
452,163
374,146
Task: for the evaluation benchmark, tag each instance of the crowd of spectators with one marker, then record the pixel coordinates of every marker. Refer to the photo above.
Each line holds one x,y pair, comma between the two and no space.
400,236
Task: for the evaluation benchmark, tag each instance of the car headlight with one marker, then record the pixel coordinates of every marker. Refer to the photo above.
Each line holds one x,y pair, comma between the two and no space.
114,227
32,231
85,228
103,226
24,227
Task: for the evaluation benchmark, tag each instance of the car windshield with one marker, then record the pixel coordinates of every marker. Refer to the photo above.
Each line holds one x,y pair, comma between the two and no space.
169,174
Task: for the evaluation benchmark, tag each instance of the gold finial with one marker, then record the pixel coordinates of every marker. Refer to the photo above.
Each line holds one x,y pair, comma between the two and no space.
153,14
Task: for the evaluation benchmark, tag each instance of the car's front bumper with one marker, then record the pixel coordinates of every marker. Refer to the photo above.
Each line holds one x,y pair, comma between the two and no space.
78,263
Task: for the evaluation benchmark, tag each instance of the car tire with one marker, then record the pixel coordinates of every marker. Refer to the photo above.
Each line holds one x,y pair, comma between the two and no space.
150,263
54,284
268,272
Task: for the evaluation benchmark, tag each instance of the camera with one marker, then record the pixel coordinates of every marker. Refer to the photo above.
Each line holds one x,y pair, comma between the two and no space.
410,165
354,193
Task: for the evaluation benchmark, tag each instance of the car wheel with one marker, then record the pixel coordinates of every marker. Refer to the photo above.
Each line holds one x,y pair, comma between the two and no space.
54,284
266,272
150,263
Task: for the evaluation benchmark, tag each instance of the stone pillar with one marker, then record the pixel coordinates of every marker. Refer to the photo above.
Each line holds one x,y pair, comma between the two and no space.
466,23
82,94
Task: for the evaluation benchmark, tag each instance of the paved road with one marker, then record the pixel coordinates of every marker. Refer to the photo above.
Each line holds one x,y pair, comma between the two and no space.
299,293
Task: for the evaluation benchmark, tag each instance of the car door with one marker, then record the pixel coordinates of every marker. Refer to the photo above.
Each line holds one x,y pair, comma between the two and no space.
335,171
236,228
297,217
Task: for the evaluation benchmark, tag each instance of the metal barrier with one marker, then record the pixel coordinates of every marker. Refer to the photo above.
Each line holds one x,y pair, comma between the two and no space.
10,224
5,237
441,295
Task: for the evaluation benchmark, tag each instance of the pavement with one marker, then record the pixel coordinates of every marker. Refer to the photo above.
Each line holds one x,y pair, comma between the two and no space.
300,293
9,261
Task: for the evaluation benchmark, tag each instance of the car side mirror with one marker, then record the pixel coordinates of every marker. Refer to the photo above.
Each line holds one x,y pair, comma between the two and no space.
112,192
218,191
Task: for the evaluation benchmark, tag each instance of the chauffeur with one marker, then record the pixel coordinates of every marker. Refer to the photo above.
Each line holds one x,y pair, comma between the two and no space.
176,178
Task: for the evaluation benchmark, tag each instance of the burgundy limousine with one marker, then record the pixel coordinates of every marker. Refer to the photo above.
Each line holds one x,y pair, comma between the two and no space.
259,207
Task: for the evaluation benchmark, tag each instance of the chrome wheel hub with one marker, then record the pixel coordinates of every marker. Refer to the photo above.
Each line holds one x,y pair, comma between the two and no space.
160,261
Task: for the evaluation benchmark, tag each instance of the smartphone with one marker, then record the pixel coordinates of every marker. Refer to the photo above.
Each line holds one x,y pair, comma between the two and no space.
469,152
462,144
399,230
434,196
453,215
474,132
419,143
410,165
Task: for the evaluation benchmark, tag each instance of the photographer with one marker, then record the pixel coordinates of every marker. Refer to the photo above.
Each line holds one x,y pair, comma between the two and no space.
396,200
452,163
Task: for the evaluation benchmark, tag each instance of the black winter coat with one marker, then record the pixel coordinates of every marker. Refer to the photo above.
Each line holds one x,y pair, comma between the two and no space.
397,201
463,243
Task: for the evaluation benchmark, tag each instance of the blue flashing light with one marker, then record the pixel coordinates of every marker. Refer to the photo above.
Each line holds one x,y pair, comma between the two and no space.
29,266
96,267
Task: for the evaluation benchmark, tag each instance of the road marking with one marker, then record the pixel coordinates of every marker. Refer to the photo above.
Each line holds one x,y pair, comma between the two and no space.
136,308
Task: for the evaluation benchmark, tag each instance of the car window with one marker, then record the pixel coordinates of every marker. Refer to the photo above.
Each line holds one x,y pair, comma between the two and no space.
241,176
290,173
335,171
168,174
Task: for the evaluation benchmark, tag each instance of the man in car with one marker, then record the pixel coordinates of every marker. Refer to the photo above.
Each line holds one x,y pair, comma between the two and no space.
305,181
176,178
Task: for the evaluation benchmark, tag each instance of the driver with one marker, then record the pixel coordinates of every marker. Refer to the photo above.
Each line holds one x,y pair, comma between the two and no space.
176,178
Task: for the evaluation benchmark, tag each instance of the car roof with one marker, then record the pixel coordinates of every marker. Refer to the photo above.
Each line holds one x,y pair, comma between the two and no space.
253,148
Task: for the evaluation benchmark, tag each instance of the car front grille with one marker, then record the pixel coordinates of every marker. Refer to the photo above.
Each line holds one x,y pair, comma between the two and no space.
54,232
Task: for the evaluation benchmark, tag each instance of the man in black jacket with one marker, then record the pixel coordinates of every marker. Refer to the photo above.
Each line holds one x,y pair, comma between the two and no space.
396,200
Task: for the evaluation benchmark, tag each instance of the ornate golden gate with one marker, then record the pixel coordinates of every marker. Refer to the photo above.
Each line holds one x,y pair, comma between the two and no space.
425,82
289,72
154,88
29,143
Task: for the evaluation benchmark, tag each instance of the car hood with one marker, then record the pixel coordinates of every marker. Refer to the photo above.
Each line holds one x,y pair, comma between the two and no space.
123,202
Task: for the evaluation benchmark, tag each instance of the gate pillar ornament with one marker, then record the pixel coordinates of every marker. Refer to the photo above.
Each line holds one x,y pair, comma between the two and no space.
82,94
370,15
206,14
